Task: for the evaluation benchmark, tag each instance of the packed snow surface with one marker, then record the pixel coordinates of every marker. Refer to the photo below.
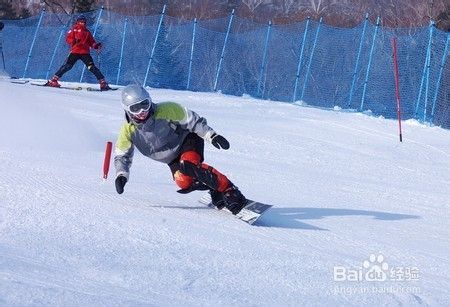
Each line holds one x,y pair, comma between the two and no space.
358,219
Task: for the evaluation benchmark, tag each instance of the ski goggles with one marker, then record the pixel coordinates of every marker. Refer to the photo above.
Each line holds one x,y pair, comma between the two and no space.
141,106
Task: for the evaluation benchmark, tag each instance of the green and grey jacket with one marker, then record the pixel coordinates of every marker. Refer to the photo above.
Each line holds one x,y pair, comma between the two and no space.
160,137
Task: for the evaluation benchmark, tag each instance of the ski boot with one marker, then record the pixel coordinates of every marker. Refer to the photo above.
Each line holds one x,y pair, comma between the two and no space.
234,199
103,85
53,82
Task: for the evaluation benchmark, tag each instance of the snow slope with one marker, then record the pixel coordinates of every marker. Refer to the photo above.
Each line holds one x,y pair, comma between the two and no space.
342,186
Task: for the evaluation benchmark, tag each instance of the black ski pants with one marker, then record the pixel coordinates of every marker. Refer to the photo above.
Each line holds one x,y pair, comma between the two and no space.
87,60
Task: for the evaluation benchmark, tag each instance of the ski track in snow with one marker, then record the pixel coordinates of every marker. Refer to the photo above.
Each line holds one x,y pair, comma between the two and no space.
342,187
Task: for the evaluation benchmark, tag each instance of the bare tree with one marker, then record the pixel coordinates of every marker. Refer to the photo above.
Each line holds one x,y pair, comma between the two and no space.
252,4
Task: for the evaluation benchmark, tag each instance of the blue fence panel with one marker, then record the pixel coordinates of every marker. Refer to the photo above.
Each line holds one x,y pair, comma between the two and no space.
241,77
283,54
206,58
17,37
324,67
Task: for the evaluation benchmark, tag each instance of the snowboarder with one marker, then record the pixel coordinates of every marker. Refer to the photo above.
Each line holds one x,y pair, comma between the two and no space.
80,41
170,133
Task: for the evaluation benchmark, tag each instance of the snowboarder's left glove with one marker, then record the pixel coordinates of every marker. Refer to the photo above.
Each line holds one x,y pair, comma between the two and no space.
120,183
219,141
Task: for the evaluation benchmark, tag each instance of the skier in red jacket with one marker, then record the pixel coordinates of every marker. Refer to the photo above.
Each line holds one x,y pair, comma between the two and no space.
80,40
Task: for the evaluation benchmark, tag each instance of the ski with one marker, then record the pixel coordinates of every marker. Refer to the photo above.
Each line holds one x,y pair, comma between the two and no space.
19,81
75,88
249,214
93,89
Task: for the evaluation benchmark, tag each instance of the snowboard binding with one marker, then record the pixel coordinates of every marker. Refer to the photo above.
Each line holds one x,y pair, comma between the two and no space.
231,198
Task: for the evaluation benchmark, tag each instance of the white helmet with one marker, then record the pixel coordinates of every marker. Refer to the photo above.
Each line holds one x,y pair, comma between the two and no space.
137,103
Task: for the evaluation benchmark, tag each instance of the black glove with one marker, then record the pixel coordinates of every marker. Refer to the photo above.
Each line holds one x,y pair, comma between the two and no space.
120,183
97,46
219,141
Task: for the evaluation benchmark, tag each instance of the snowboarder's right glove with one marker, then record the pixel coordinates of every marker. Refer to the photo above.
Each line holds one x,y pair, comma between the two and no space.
219,141
120,183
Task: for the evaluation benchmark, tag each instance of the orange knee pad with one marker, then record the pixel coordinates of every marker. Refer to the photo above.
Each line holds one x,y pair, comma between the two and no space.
182,180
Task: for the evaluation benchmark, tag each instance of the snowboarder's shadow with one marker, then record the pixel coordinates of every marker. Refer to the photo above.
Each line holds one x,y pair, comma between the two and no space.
294,217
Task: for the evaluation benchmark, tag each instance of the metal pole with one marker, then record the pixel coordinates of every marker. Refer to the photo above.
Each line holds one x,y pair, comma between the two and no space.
122,49
95,31
424,70
310,59
63,29
300,60
366,79
263,63
154,44
192,54
355,72
1,45
223,51
441,68
397,86
427,83
32,43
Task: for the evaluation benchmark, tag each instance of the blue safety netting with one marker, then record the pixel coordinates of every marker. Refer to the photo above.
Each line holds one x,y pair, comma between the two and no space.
308,62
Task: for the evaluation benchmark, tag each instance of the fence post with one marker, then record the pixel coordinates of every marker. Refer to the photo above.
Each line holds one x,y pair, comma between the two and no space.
32,43
223,50
95,31
424,72
355,72
263,63
397,86
441,68
122,48
300,60
366,79
310,58
56,49
192,54
154,44
427,83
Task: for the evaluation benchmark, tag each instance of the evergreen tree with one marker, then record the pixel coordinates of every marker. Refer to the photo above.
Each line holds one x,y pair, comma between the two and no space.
7,10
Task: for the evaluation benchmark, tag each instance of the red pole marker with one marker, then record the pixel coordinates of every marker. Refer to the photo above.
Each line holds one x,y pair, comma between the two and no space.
397,86
107,159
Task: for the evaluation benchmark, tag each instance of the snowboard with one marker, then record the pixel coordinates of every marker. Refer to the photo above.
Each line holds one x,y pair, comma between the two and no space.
249,214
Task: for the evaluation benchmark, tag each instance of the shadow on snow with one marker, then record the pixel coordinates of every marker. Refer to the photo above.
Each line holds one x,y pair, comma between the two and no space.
294,217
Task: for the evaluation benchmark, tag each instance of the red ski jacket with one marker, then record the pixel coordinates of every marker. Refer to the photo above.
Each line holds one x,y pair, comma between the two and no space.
80,40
